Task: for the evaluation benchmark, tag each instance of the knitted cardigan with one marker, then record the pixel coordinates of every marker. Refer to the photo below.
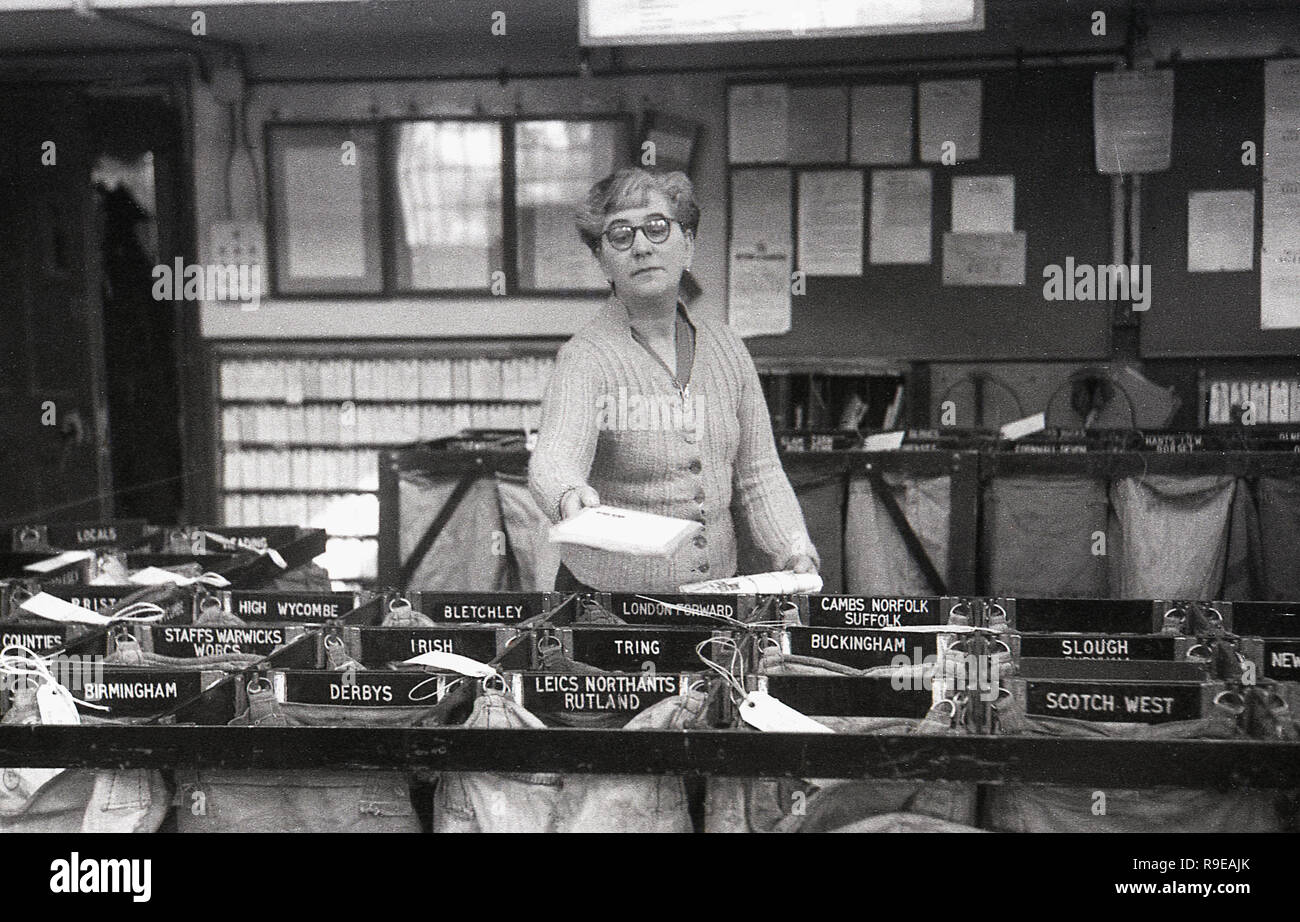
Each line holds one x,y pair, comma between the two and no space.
613,418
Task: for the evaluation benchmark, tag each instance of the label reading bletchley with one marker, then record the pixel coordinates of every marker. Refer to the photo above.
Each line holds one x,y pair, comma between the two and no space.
291,606
871,611
1147,703
363,688
384,645
1282,660
1098,646
631,649
634,609
202,640
135,692
609,693
480,607
858,648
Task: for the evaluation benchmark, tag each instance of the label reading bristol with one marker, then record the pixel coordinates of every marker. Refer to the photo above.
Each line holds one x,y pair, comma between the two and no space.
1147,703
96,598
291,606
872,611
383,645
480,607
1097,646
188,641
133,692
626,694
363,688
634,609
630,649
861,649
1282,660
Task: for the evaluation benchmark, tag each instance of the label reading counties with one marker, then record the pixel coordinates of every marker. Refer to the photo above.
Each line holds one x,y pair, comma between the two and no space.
861,649
189,640
1105,616
1266,619
611,693
480,607
291,606
1098,646
872,611
39,639
384,645
630,649
1282,660
135,692
634,609
1145,703
850,696
363,688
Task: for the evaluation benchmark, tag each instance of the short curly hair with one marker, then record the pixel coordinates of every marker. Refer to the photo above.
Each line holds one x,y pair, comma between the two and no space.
628,188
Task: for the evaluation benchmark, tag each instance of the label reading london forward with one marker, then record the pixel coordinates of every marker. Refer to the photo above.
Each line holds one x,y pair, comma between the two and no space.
1098,646
872,611
480,607
634,609
189,641
383,645
1145,703
605,694
291,606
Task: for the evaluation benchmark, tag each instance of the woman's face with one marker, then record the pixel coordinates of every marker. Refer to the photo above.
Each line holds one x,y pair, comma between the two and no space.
647,270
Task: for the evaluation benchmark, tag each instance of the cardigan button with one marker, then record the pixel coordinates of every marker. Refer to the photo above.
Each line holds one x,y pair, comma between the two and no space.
699,494
695,467
704,567
700,541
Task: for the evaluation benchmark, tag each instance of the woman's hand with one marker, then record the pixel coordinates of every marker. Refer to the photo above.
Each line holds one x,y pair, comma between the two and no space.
801,563
576,500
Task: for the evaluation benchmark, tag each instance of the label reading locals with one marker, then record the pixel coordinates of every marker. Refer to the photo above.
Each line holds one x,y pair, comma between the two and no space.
634,609
627,694
131,692
1147,703
187,641
872,611
636,649
480,607
363,688
295,606
1266,619
1098,646
858,648
381,646
1282,660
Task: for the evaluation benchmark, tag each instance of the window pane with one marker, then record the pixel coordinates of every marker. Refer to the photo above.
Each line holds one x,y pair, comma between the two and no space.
448,177
556,163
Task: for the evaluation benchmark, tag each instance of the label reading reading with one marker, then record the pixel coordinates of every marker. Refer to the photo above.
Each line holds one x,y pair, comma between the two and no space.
1146,703
872,611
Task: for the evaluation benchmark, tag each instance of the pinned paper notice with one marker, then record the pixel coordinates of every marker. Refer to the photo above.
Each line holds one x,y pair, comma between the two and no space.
884,441
452,662
61,560
1023,427
763,712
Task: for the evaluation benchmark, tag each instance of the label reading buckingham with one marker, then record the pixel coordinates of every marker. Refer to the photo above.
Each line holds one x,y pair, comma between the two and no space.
872,611
133,692
188,641
363,688
1145,703
1282,660
631,649
627,694
1099,646
634,609
291,606
861,649
383,645
480,607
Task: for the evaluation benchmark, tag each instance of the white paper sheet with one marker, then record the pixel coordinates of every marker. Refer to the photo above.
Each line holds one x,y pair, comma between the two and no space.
950,111
900,216
883,123
830,222
818,124
984,259
761,257
983,204
1221,231
757,119
624,531
1133,121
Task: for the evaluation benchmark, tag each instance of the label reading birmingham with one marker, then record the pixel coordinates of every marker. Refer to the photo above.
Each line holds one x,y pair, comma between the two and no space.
480,607
381,646
1147,703
140,692
601,693
872,611
1098,646
858,648
704,608
193,640
291,606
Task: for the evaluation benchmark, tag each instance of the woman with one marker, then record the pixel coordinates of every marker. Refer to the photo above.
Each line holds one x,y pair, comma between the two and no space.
651,410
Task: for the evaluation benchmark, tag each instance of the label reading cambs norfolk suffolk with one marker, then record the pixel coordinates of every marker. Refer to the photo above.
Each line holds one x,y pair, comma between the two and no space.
873,611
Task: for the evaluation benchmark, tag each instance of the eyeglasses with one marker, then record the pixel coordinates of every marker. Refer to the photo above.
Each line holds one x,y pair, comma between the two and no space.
656,229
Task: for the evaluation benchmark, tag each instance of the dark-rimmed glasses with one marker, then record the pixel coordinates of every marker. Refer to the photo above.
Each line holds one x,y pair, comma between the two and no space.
656,228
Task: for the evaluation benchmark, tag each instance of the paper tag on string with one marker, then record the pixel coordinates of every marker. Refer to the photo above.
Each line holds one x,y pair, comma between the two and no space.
763,712
52,608
62,560
56,705
452,662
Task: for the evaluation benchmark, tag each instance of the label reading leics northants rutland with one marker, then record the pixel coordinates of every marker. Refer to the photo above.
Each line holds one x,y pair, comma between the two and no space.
609,693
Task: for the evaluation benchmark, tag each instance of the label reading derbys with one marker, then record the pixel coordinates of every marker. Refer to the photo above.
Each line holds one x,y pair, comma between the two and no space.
480,607
703,608
363,688
858,648
1282,660
1146,703
633,648
192,641
296,606
603,693
872,611
381,646
1097,646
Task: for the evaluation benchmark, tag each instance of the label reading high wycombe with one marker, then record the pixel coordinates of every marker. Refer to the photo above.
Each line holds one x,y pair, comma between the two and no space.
848,696
861,649
639,649
96,598
1266,619
1282,660
37,638
480,607
634,609
1098,646
135,692
872,611
189,641
604,694
1145,703
1105,616
291,606
363,688
383,645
